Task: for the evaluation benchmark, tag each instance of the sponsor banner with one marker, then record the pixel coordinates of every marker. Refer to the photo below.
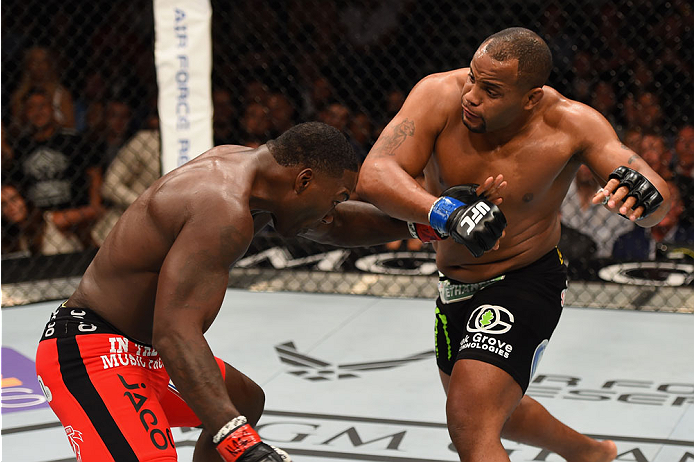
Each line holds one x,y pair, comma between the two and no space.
620,390
20,387
268,251
183,58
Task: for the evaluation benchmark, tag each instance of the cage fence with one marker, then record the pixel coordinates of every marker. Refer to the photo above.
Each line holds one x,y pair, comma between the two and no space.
88,68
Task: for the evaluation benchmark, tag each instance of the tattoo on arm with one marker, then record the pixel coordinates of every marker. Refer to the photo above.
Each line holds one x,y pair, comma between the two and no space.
632,159
387,144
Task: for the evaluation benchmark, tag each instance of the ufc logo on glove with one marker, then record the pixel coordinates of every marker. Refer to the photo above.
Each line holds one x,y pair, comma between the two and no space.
472,216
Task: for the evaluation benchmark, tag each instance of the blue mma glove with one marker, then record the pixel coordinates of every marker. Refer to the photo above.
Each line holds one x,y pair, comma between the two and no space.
469,219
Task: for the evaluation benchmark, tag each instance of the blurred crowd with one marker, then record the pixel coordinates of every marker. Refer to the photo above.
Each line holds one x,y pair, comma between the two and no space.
80,136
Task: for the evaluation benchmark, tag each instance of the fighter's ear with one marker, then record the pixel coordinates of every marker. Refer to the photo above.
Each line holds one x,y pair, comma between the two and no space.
533,97
303,180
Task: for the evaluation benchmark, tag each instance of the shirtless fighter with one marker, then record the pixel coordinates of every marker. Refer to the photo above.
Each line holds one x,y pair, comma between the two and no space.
137,319
496,312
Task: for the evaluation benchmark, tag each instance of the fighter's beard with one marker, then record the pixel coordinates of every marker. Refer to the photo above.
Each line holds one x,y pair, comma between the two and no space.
479,129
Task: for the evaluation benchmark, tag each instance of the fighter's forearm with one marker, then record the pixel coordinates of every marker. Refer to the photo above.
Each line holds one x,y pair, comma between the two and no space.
190,363
395,191
359,224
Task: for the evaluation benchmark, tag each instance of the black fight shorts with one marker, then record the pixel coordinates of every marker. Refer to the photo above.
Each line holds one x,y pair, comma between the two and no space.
506,321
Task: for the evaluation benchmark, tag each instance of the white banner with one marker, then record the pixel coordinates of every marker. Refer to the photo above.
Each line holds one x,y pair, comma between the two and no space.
183,57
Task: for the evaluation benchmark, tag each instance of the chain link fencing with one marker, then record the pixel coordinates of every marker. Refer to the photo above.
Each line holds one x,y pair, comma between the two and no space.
87,69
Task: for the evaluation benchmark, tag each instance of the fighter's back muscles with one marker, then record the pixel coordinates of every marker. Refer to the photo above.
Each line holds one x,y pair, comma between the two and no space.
191,286
190,233
405,146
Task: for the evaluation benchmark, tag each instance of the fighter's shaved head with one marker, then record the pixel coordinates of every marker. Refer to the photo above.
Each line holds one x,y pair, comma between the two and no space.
531,51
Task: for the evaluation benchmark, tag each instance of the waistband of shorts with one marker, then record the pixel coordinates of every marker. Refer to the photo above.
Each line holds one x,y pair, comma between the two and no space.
451,291
69,321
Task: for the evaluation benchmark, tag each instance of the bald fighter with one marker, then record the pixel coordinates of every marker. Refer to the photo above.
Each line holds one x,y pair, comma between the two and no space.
497,309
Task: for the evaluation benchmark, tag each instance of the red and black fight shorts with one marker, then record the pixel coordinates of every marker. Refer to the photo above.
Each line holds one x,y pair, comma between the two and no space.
506,321
110,392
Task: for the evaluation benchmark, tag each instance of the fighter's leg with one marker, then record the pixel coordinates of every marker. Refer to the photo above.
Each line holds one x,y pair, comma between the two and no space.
481,398
530,423
108,404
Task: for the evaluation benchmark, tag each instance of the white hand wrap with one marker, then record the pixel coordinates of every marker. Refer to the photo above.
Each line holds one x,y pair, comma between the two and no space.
228,428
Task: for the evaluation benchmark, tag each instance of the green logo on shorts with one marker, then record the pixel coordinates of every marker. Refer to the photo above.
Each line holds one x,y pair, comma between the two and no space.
487,318
444,323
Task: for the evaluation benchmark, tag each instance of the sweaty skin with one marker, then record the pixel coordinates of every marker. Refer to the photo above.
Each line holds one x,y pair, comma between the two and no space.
484,122
162,273
537,146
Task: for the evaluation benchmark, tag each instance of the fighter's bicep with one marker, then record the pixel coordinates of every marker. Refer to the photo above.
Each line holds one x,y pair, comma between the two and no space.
409,138
600,147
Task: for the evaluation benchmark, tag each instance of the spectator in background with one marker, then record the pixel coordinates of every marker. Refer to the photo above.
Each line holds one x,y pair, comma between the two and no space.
641,244
117,132
368,25
360,131
583,78
7,151
57,171
655,152
255,125
684,170
558,37
281,113
629,116
586,225
648,112
316,96
338,115
631,138
28,230
640,77
224,118
39,72
135,167
604,99
255,92
393,102
89,106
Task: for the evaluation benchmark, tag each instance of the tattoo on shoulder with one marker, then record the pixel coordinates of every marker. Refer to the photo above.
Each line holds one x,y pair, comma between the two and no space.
388,143
624,146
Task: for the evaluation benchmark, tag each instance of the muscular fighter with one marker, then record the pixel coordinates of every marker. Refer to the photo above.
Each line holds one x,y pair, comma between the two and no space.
124,358
497,310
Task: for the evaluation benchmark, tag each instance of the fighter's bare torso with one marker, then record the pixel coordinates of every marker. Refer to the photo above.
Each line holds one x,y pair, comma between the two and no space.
121,282
538,162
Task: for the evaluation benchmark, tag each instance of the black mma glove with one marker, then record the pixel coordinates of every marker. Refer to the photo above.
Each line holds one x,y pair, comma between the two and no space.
469,219
238,442
646,195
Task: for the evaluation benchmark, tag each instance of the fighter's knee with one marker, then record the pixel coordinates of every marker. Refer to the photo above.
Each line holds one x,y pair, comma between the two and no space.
461,420
470,422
